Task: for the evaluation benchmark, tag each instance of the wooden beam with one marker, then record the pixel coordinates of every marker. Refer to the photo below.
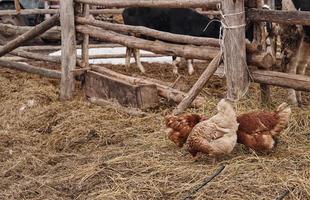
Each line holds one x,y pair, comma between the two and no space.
32,33
297,82
203,79
280,79
235,49
163,90
28,12
156,4
281,17
183,39
85,50
31,69
186,51
9,30
68,50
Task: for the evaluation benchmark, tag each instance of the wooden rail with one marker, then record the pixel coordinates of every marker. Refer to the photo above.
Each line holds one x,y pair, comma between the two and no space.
148,3
282,17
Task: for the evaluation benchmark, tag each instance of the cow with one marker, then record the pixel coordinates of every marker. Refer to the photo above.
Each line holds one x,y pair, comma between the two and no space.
295,45
173,20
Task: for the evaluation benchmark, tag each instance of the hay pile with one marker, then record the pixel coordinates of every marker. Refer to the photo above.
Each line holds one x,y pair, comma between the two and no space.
75,150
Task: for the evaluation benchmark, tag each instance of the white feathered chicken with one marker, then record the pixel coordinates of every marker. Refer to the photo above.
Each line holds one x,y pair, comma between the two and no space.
216,136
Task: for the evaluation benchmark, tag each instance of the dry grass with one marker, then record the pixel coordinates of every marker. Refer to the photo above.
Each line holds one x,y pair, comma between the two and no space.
75,150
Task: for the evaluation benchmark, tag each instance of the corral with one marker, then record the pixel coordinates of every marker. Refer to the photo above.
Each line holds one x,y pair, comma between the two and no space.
54,149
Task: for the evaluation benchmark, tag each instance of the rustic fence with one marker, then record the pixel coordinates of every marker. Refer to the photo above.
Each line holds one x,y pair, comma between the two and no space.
236,65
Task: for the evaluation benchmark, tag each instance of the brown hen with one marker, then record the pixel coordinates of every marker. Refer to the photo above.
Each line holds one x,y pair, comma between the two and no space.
181,126
258,130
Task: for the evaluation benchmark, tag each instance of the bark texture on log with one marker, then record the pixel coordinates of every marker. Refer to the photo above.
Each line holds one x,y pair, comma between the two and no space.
68,49
234,49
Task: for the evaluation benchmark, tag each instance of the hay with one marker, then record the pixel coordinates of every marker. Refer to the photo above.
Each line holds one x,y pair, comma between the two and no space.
76,150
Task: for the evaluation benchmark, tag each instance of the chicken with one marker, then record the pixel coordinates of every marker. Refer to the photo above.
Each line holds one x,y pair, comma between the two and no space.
217,135
180,126
259,130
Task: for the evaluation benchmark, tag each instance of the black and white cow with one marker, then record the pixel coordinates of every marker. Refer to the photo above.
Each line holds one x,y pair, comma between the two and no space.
173,20
295,44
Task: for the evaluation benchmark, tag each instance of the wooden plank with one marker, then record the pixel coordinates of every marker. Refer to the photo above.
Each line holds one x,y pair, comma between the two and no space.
68,49
234,49
28,12
126,94
282,17
157,4
203,79
163,89
32,33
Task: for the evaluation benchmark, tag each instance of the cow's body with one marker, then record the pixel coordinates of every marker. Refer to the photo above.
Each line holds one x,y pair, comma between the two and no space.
295,45
173,20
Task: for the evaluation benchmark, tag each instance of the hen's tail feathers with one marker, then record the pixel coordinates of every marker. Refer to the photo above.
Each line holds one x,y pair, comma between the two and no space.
284,112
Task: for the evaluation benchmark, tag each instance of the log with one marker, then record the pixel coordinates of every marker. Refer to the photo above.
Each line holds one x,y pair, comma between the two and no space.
280,79
28,12
9,30
155,4
185,51
104,56
194,91
109,104
169,37
85,51
183,39
32,33
163,90
235,49
56,47
30,69
135,95
281,17
68,49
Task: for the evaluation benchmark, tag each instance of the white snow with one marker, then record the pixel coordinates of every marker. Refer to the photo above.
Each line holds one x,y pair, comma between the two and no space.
118,61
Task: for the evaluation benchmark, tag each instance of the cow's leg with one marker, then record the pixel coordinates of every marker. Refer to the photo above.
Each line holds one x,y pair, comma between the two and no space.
190,67
298,61
136,54
175,62
128,56
304,60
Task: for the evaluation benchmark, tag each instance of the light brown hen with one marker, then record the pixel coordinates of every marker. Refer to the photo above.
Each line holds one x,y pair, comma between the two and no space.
217,135
180,126
259,130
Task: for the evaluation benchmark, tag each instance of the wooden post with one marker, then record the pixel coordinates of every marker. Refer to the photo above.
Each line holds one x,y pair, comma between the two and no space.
32,33
203,79
85,51
68,49
234,48
265,89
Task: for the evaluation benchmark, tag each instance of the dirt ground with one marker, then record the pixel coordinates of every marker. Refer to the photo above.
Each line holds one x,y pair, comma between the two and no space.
76,150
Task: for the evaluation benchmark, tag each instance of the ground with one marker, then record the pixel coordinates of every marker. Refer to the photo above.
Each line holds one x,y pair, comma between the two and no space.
75,150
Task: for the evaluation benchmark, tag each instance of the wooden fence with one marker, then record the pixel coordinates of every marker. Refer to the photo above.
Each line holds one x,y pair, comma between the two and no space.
234,18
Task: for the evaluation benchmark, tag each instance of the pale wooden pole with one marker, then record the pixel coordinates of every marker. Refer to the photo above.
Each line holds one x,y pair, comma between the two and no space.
234,48
203,79
68,49
17,6
85,51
